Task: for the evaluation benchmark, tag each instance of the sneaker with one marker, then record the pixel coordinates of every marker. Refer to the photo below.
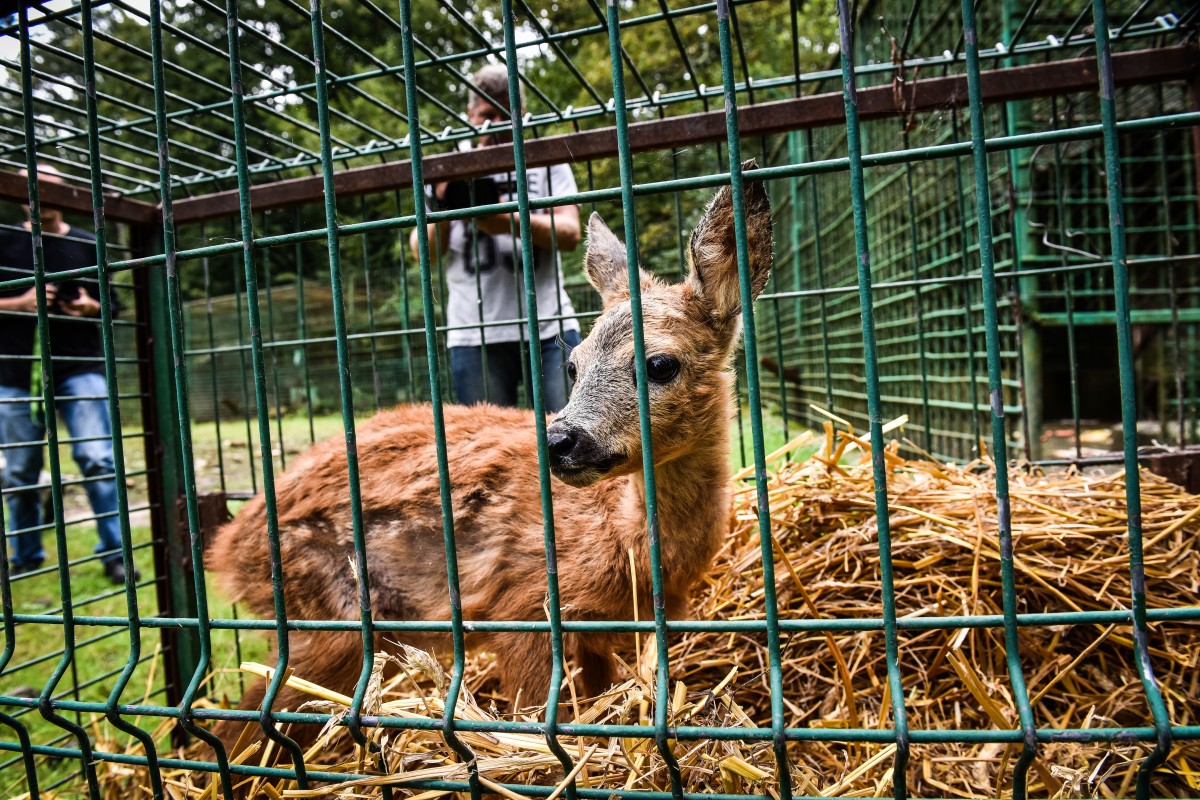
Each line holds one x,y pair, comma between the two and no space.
15,569
115,570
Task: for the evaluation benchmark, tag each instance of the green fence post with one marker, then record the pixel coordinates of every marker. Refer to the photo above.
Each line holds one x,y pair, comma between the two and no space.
874,403
46,699
134,622
725,16
447,723
662,735
1017,117
267,720
346,391
168,524
987,274
171,382
1125,352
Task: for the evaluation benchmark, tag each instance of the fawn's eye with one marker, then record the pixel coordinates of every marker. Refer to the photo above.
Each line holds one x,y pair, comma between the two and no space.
571,370
662,369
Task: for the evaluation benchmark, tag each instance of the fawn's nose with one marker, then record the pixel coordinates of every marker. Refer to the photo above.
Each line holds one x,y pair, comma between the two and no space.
576,457
560,442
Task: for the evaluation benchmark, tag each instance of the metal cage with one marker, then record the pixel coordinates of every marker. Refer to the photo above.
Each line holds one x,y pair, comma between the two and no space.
986,220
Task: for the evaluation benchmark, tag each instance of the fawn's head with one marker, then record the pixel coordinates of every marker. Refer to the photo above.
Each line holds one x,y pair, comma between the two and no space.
690,330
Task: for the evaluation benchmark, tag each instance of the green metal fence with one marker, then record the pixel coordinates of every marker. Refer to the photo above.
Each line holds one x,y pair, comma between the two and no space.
977,208
1050,221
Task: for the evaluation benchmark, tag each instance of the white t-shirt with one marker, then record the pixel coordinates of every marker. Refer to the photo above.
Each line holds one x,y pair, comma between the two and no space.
500,293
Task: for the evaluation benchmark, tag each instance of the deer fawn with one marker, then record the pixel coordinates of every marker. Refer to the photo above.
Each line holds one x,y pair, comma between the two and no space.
595,450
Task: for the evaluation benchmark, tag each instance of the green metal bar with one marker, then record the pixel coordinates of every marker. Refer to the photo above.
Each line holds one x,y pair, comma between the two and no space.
794,210
554,600
625,163
1168,248
1067,284
302,331
736,34
1014,116
347,391
185,708
160,420
212,361
266,265
983,210
114,413
901,735
448,722
473,233
366,269
818,257
914,250
400,247
968,303
770,599
49,408
691,733
244,374
266,719
1039,619
1133,496
558,289
10,645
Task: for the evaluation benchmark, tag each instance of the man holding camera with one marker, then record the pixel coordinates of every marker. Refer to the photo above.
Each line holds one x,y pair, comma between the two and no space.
484,269
80,387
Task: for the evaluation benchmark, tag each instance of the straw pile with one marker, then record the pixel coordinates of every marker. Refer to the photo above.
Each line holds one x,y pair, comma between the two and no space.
1071,554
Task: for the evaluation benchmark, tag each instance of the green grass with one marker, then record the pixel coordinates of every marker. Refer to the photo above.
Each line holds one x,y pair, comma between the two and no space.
98,650
239,446
101,652
741,453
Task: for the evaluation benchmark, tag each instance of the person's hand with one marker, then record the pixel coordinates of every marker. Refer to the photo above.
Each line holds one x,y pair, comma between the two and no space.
498,224
439,190
83,306
27,302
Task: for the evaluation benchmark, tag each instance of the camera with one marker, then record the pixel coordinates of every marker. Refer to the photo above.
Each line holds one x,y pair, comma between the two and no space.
468,194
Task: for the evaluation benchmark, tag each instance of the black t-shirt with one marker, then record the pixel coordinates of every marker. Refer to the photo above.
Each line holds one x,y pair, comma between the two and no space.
69,336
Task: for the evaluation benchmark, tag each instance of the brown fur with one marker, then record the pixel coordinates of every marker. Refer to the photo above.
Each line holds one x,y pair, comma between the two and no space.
495,494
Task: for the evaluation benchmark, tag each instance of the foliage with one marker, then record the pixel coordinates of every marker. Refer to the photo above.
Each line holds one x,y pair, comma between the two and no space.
361,36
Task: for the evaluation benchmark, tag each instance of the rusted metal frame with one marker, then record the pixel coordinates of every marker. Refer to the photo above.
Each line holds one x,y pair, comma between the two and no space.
73,198
814,111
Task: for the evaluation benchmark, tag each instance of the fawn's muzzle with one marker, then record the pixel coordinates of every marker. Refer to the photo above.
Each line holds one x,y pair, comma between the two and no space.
575,455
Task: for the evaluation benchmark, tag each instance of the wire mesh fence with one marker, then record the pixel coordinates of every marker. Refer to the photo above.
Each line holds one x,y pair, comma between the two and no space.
985,225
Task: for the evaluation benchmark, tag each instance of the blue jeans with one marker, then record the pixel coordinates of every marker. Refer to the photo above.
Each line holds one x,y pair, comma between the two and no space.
85,419
504,373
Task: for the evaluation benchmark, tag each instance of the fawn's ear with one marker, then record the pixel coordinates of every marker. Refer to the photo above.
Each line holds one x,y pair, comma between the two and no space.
606,262
713,248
